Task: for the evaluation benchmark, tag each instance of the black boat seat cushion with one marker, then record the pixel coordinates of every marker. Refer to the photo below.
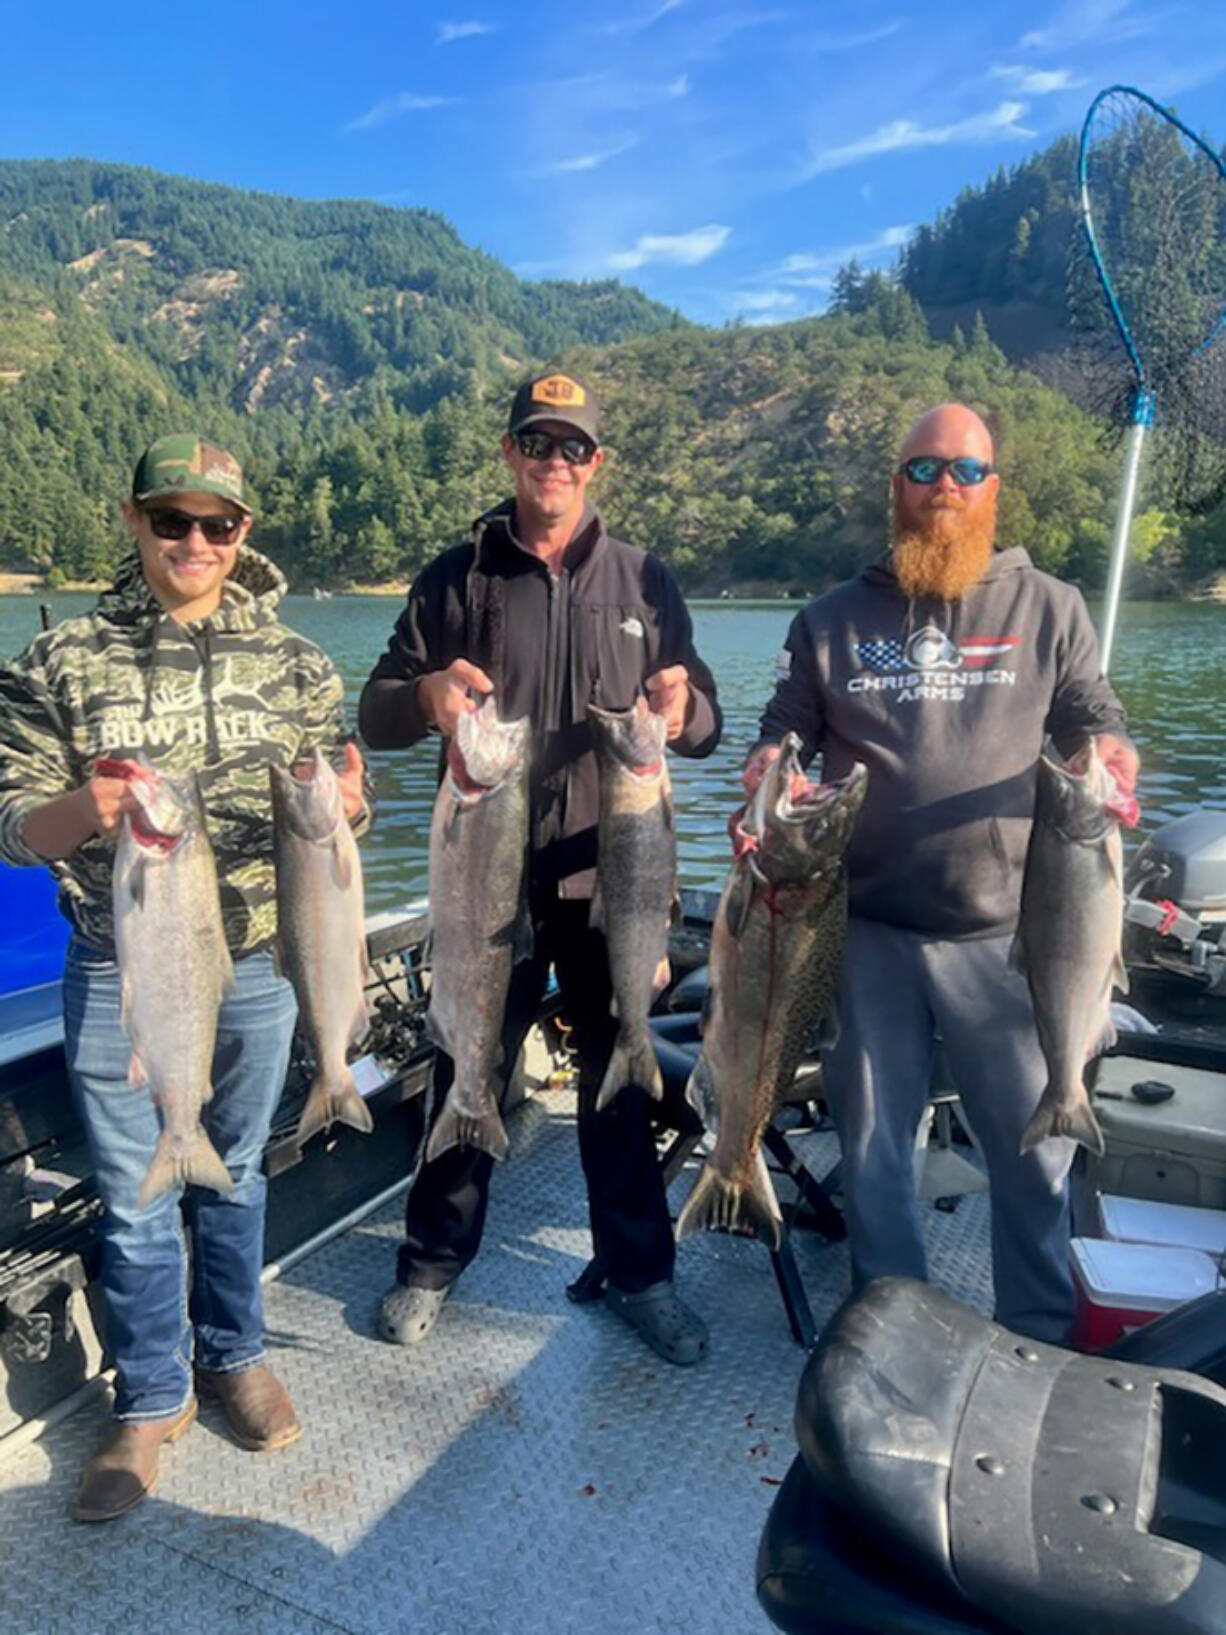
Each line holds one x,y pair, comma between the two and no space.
1056,1492
818,1574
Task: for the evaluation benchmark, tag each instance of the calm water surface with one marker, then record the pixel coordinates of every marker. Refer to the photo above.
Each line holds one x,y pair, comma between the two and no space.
1170,669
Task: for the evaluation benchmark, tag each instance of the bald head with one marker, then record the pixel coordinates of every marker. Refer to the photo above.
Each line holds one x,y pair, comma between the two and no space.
949,431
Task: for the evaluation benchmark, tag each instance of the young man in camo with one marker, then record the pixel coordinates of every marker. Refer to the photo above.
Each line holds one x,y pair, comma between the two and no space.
185,663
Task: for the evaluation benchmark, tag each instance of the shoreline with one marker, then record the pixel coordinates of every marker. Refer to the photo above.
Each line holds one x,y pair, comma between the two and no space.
35,584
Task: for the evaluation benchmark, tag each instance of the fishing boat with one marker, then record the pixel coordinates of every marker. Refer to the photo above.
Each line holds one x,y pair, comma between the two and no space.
596,1487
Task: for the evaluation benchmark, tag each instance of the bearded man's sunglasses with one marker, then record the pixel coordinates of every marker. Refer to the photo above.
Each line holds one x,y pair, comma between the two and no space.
170,524
539,445
927,469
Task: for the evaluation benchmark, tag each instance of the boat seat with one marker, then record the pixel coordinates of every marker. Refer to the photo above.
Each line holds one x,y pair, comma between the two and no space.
1193,1336
1046,1490
819,1574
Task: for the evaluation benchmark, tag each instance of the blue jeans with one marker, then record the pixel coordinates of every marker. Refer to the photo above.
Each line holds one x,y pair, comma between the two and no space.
150,1319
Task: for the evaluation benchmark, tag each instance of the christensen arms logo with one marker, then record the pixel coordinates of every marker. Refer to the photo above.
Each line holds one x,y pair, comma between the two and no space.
930,664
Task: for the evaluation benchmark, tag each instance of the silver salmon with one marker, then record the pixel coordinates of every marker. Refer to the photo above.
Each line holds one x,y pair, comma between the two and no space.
636,882
174,968
776,950
1068,936
321,936
479,924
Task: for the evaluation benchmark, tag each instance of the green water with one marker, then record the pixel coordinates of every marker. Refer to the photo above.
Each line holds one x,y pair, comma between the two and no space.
1170,669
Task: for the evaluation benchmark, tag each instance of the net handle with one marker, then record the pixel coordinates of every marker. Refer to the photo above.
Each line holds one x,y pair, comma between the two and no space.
1142,420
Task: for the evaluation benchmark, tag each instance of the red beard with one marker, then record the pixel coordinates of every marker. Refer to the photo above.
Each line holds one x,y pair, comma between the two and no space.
947,553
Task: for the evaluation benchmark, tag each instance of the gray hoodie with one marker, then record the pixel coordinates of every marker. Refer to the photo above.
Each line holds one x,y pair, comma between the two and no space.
948,705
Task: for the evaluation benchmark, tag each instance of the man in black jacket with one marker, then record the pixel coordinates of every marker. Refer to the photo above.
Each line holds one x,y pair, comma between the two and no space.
543,609
942,667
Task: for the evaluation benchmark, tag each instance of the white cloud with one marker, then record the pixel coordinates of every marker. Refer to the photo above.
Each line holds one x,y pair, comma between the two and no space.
1037,82
581,162
636,25
853,42
679,87
890,238
678,249
449,32
404,102
905,133
1079,22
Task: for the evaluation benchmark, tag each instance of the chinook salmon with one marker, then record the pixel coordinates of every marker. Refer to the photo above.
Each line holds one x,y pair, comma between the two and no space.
776,950
636,882
321,935
479,923
1068,937
174,968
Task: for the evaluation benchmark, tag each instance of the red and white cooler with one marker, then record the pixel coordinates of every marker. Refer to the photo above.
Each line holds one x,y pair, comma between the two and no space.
1122,1286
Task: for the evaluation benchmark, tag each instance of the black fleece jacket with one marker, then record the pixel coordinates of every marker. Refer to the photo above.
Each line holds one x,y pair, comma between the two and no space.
948,705
611,618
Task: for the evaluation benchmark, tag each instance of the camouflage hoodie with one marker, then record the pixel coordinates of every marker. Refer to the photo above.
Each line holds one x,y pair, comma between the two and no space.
224,696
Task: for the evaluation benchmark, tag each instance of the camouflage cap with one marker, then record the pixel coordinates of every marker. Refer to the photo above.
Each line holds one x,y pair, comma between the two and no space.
555,395
184,463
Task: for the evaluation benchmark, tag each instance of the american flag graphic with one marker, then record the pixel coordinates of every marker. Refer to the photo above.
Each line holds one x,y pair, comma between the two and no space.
887,654
978,651
882,656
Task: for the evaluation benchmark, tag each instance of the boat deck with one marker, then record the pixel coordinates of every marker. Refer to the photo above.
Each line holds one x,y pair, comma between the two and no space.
530,1470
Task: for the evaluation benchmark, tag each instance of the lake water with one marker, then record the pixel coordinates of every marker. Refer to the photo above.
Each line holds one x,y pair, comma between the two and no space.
1170,670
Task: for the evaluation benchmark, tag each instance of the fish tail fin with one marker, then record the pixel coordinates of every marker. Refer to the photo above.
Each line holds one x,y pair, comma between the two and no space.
455,1129
633,1062
718,1204
1076,1120
194,1163
334,1099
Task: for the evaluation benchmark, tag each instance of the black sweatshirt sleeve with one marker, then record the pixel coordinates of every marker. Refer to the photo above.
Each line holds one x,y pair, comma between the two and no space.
701,732
797,702
1083,702
427,637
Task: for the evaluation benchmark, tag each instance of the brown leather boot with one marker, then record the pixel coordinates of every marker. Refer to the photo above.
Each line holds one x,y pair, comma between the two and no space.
125,1468
257,1407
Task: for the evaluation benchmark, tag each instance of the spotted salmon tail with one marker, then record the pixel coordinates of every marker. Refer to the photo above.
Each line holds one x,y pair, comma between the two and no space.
455,1129
195,1162
633,1062
1053,1117
334,1101
718,1204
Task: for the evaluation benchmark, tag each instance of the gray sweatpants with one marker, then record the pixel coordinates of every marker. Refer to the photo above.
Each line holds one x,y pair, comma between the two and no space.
899,990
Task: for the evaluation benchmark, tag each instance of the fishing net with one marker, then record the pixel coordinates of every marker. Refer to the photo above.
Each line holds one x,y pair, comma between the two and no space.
1148,289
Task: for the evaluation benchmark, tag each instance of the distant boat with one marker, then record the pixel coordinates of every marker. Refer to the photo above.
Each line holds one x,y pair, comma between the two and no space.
321,595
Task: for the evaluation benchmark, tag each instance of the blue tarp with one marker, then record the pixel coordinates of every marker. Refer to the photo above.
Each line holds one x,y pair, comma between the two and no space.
33,933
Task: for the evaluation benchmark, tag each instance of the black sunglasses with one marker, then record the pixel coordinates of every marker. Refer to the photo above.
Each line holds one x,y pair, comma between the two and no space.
540,445
170,524
927,469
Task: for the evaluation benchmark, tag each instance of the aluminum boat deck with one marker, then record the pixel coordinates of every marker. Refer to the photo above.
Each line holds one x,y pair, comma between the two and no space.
530,1470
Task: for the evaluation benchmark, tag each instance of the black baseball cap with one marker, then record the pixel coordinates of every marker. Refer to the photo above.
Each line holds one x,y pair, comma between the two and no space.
556,395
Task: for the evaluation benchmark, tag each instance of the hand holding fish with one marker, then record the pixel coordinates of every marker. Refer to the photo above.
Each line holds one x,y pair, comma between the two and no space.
1121,760
353,795
668,694
444,695
760,763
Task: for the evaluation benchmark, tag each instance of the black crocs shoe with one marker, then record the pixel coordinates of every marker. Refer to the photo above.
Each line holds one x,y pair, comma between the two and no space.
662,1321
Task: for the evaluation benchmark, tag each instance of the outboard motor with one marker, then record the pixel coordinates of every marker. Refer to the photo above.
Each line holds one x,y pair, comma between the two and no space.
955,1477
1175,902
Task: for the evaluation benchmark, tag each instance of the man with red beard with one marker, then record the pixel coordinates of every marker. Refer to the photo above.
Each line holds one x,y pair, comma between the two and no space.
943,667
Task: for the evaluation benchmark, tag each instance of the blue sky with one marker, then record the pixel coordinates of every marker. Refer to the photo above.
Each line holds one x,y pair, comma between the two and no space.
723,155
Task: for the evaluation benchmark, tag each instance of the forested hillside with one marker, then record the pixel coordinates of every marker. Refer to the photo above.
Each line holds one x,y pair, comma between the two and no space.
359,359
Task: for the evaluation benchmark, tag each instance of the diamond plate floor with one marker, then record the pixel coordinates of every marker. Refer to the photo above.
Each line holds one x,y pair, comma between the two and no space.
531,1470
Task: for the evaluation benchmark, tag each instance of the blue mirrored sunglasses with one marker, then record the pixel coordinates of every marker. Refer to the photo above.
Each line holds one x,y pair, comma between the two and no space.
929,468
